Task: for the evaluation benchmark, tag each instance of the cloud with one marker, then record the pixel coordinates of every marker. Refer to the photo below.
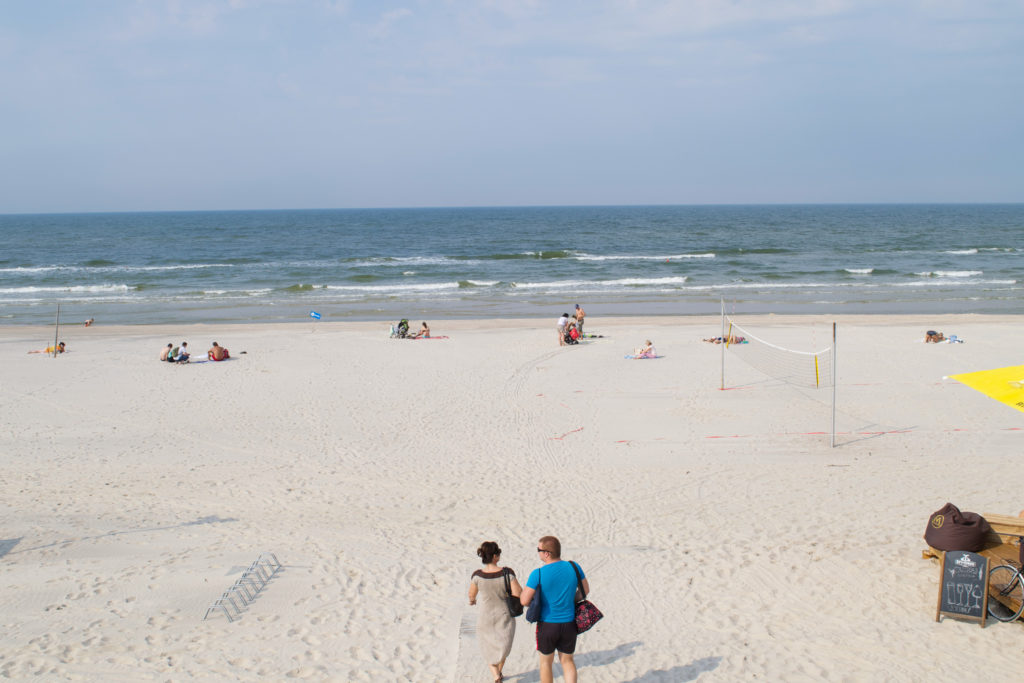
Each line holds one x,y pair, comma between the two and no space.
382,29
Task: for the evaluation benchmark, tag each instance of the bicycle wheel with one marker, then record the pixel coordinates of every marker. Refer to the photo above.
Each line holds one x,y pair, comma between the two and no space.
1005,593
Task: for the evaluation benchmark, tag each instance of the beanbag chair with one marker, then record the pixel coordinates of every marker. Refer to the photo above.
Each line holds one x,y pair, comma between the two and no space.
950,529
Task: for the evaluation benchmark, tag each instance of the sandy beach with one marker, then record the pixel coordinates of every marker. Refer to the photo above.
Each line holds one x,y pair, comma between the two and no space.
723,538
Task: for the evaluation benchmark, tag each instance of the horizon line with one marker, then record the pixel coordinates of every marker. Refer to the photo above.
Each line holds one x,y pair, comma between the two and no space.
510,206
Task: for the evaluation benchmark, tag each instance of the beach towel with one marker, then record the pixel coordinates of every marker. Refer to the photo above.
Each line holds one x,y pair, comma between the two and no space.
437,337
644,357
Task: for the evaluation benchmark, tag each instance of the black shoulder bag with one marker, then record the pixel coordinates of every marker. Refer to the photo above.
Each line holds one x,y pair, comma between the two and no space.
515,608
533,611
587,613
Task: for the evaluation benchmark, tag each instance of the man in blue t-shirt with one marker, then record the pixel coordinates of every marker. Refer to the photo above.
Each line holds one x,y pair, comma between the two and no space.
556,629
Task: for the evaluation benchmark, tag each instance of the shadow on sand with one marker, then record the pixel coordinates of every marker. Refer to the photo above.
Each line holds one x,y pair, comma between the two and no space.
583,660
8,544
679,674
209,519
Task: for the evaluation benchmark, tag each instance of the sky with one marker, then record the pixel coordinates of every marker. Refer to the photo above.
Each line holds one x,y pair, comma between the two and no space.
116,105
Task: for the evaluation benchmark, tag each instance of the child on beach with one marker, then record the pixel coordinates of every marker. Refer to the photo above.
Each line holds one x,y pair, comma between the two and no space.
645,351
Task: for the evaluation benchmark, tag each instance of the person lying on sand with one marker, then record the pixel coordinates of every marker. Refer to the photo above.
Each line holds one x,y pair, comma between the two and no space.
50,349
931,336
731,339
217,352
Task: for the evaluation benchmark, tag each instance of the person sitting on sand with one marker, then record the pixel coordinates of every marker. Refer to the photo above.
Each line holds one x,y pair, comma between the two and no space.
931,336
90,321
424,332
168,352
50,349
218,352
182,355
645,351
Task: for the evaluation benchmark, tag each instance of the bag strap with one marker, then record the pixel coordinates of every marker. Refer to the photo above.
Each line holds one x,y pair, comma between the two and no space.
508,583
579,579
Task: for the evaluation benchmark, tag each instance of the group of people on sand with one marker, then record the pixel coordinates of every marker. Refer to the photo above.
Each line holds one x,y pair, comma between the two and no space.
570,329
180,354
728,339
401,331
554,584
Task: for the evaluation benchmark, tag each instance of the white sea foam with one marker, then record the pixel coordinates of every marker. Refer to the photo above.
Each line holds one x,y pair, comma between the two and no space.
379,289
406,261
950,273
112,269
482,283
859,271
954,283
583,284
667,257
76,289
778,285
963,252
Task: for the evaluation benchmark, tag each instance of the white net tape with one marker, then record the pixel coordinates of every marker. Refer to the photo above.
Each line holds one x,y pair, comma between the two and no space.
802,368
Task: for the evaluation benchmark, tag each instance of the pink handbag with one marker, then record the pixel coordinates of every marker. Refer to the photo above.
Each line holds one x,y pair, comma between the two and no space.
587,613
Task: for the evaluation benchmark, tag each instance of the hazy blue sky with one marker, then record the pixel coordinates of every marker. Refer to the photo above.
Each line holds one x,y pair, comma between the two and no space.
222,104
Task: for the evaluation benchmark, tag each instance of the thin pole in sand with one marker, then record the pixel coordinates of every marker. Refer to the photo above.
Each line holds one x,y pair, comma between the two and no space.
56,330
721,386
833,442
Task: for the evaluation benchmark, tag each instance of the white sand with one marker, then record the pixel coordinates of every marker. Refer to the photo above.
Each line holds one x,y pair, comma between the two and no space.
134,492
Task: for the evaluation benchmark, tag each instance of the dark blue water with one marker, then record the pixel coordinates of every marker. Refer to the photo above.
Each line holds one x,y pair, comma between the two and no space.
242,266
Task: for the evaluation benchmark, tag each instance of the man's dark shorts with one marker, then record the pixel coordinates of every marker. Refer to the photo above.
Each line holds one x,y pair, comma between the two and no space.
561,637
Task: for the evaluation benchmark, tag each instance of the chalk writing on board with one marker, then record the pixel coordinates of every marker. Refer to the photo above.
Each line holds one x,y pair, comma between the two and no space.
963,583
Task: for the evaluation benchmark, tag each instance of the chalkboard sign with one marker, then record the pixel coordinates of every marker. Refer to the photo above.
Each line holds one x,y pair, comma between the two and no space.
963,586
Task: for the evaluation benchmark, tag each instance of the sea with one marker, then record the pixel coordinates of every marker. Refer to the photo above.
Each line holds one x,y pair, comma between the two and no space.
510,262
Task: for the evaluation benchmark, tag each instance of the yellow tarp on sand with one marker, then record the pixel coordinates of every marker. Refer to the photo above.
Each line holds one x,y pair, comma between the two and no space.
1005,385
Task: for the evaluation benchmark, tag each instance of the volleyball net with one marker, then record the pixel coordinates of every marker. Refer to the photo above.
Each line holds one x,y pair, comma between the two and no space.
803,368
808,369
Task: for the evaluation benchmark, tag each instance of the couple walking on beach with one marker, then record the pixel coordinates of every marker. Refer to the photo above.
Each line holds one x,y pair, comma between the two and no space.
553,584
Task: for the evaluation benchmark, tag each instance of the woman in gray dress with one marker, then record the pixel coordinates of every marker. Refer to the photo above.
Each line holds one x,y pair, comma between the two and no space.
495,628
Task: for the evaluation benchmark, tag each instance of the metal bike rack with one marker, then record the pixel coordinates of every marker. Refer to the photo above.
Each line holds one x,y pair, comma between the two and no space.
244,590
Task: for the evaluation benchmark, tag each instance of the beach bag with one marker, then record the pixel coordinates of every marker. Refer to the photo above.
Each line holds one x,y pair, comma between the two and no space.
587,614
533,610
950,529
515,608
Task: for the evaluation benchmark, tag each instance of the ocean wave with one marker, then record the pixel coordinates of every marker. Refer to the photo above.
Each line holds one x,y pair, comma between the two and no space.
533,255
778,285
393,288
75,289
859,271
953,283
103,266
960,252
950,273
406,261
667,257
463,284
578,284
